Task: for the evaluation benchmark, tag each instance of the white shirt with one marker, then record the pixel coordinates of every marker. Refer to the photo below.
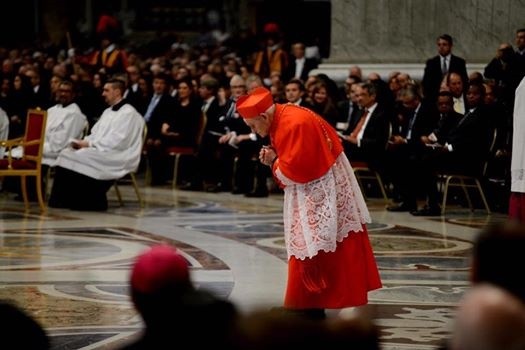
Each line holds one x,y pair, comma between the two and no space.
207,104
299,65
371,110
517,165
115,146
62,125
459,104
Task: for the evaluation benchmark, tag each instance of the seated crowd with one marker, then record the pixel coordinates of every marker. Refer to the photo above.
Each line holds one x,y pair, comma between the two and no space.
408,131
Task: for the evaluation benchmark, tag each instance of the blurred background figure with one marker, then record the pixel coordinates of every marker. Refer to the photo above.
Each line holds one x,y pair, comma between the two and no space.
161,289
20,330
271,57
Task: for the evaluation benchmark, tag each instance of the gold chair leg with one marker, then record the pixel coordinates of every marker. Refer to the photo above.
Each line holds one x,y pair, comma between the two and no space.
119,196
175,171
136,188
483,198
380,182
147,176
360,183
23,184
39,194
445,194
467,195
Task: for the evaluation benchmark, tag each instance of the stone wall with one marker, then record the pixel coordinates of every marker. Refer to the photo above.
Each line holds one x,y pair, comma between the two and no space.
387,35
405,31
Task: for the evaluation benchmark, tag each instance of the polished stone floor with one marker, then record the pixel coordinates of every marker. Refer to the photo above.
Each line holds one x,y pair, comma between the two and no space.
70,269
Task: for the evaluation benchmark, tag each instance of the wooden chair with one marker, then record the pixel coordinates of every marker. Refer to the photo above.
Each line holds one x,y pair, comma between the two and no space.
178,152
133,177
30,164
363,172
466,182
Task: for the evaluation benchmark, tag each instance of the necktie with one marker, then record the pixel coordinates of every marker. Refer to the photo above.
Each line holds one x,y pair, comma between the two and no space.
411,125
444,69
360,124
231,110
350,110
151,107
205,106
462,120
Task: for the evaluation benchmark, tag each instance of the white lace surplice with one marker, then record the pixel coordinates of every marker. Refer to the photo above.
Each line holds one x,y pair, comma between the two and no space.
320,213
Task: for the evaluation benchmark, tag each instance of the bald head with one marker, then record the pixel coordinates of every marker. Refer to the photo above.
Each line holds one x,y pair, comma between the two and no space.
489,318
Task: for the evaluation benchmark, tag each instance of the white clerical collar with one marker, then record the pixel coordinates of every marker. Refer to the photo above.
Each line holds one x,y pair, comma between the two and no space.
110,48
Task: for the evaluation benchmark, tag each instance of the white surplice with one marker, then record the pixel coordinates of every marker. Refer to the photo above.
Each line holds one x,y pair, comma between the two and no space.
115,146
63,124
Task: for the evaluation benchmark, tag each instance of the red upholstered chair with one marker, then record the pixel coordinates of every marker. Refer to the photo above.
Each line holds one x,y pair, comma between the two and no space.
32,144
178,152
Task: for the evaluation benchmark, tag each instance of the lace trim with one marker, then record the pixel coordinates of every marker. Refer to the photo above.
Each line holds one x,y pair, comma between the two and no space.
322,212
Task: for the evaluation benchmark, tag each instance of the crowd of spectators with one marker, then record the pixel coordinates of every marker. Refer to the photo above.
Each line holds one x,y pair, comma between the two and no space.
186,77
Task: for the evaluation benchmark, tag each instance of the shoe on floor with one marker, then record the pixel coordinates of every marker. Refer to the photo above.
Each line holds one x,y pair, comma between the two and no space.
191,187
213,188
238,190
257,194
403,206
427,211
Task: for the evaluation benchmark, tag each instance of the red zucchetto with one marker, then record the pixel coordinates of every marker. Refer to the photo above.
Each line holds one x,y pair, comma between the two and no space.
254,104
159,267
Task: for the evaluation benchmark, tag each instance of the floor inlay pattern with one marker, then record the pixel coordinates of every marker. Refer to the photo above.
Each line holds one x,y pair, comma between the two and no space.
70,269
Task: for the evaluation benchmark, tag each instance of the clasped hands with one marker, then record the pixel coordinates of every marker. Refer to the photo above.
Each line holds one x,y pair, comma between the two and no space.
78,144
267,155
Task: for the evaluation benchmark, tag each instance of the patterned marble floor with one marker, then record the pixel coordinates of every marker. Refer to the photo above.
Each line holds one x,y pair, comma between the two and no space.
70,269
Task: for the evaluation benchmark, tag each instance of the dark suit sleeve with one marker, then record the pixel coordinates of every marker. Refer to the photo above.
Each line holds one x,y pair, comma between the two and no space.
376,132
431,79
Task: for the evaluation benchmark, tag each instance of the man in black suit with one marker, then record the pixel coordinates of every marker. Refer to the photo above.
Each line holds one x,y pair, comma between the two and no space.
348,109
160,108
206,176
295,92
367,136
133,93
301,66
437,67
462,150
41,91
416,118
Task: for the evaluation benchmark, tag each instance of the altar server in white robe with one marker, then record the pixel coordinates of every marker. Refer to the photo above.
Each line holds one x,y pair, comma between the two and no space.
65,121
86,170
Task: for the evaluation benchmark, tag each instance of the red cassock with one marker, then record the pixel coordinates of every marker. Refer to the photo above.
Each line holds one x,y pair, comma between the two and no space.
331,262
